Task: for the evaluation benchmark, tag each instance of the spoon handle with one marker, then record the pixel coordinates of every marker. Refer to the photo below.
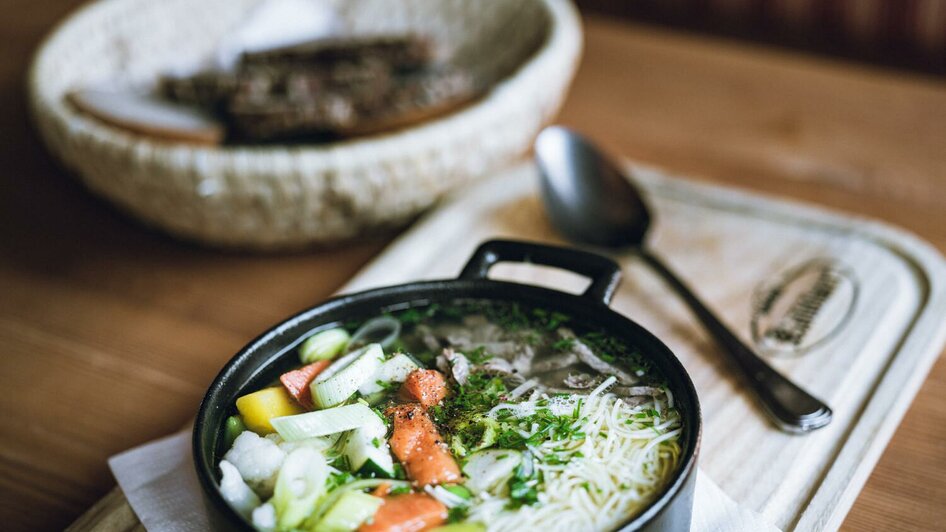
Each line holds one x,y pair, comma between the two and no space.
790,407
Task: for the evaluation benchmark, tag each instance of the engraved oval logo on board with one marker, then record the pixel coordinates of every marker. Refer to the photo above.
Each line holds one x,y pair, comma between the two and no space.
803,307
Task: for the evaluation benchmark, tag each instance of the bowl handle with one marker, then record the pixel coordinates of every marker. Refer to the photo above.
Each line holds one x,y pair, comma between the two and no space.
604,273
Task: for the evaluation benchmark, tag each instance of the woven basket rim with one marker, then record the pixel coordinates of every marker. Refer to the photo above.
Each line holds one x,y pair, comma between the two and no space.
564,30
290,196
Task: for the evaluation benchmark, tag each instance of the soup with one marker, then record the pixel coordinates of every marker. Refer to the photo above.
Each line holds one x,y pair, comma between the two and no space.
470,416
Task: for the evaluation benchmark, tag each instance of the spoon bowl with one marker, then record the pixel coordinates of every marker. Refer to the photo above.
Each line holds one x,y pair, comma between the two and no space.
589,200
577,180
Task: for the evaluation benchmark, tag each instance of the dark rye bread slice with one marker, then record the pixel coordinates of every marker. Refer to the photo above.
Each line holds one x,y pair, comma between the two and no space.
353,109
215,89
209,89
303,83
343,87
418,97
398,52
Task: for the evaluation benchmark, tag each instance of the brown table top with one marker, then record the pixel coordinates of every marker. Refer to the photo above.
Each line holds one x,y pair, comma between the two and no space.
110,332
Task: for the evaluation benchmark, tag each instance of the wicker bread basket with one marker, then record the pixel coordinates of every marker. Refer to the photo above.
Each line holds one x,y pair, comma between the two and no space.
274,197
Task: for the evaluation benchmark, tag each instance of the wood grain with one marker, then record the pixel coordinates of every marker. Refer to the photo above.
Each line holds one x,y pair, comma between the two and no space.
111,514
864,140
110,331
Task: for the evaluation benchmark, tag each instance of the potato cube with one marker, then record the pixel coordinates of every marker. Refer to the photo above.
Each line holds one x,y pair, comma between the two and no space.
259,407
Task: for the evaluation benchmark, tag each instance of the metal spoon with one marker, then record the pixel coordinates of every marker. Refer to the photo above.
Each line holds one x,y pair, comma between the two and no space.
590,201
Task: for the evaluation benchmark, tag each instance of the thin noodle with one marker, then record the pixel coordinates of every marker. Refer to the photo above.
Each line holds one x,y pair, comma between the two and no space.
625,460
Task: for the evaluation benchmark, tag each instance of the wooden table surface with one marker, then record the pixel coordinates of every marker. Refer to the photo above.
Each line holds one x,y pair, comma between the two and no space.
110,332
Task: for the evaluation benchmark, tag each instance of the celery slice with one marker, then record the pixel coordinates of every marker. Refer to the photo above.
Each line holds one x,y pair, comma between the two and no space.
352,509
367,450
357,485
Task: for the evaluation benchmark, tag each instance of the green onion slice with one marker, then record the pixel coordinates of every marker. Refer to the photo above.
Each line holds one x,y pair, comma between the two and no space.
323,422
323,345
343,378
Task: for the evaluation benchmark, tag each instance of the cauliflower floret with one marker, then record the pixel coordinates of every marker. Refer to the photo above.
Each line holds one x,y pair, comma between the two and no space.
235,491
264,517
258,461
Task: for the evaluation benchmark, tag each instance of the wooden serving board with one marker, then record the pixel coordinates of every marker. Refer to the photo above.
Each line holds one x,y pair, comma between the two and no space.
735,249
726,244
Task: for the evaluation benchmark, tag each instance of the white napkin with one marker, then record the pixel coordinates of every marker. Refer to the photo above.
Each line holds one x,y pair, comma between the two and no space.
159,481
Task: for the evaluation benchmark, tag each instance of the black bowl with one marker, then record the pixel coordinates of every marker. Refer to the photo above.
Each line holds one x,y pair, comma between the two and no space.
263,359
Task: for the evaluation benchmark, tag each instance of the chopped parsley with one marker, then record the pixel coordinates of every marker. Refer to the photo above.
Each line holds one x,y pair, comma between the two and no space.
400,490
531,338
547,425
521,493
437,414
563,344
523,484
509,316
479,355
400,474
461,413
415,315
480,393
458,514
338,479
548,320
387,386
611,349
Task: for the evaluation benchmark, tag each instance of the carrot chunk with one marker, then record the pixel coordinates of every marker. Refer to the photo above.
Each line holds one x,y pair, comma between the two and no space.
420,449
410,512
425,386
297,381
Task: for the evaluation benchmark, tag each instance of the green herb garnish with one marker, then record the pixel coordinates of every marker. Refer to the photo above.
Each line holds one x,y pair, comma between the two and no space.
339,479
458,514
479,355
400,490
523,484
563,344
399,473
